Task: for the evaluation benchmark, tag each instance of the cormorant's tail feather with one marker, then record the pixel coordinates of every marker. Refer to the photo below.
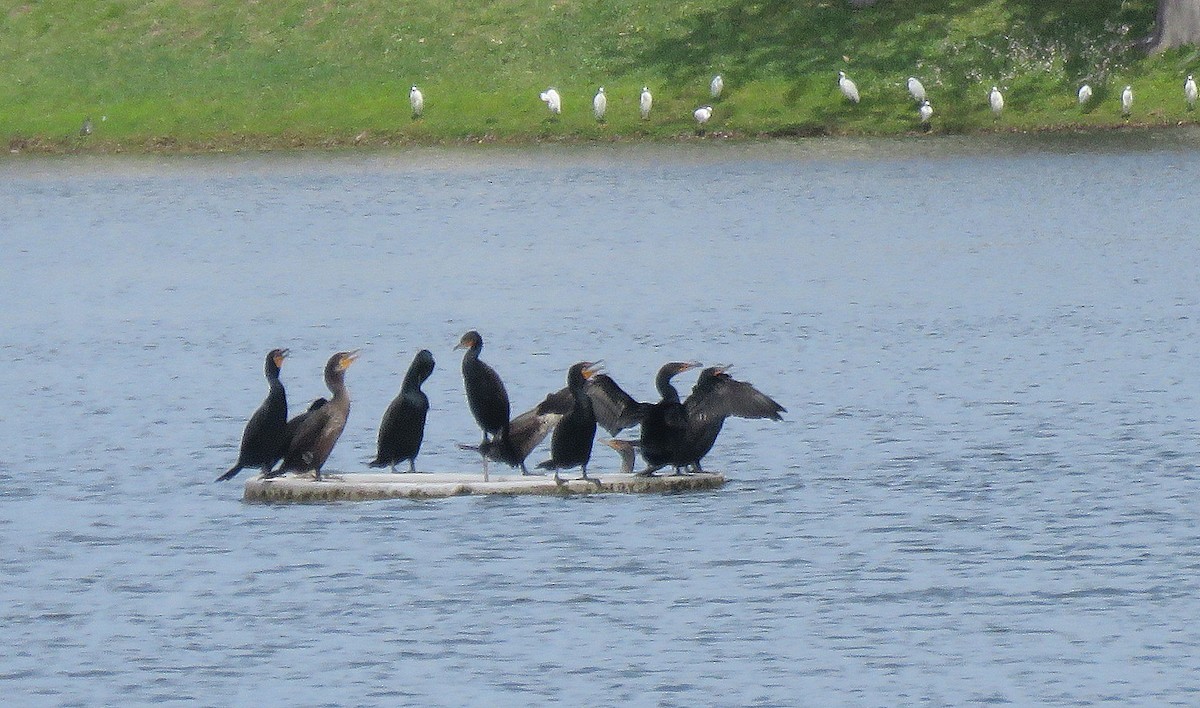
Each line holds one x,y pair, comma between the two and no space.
229,475
378,462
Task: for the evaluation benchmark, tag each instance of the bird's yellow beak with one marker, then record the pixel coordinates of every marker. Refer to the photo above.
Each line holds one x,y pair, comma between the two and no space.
348,358
280,357
592,368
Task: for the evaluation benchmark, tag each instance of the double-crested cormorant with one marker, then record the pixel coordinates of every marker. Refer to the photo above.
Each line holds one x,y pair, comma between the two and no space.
615,409
403,425
317,431
664,427
525,433
263,439
626,449
571,444
486,395
715,397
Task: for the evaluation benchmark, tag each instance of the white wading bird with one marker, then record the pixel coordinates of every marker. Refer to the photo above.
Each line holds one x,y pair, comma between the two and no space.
645,102
1085,94
996,101
702,114
716,86
1189,92
926,113
553,101
849,90
600,104
916,89
1127,101
416,99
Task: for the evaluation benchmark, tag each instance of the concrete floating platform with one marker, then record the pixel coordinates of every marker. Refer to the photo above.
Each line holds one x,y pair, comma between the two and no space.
423,485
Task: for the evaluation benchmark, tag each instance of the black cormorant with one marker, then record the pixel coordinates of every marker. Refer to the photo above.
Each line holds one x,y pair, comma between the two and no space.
403,424
263,439
715,397
664,426
485,391
571,444
315,435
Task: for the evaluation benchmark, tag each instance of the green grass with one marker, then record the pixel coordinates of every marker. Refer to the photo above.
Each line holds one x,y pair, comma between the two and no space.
197,74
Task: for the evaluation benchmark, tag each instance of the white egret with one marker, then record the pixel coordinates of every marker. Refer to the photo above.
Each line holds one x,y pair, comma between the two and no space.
1085,94
716,86
849,90
926,113
916,89
600,104
645,103
553,101
1189,92
1127,101
416,99
996,101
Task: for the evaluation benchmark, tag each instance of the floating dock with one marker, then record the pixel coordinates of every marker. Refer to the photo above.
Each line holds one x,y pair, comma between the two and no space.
362,487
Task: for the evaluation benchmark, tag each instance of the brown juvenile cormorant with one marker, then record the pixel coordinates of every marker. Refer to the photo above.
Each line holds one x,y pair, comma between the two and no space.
571,444
403,425
715,397
263,439
664,427
314,436
626,449
486,395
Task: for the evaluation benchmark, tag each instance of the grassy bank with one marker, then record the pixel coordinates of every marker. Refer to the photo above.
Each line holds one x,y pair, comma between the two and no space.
187,74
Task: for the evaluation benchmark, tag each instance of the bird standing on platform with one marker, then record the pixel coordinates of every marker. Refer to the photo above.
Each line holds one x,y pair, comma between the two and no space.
571,444
315,435
664,427
263,439
403,426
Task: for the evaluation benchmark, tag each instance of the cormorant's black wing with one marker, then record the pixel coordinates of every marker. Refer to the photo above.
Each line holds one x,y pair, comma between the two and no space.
725,397
615,410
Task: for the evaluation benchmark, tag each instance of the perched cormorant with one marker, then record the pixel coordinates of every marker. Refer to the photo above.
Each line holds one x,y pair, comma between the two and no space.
571,444
317,431
626,449
403,424
485,391
263,439
715,397
525,433
664,426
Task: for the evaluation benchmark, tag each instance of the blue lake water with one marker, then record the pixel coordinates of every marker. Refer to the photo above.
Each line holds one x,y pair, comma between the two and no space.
984,490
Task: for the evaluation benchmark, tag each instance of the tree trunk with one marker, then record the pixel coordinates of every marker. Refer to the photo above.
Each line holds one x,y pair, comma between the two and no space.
1178,24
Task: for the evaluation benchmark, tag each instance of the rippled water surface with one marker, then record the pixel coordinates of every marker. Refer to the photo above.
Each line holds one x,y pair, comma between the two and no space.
984,491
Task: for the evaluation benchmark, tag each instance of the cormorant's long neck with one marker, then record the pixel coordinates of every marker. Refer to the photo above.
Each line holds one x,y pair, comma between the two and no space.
337,386
666,390
473,352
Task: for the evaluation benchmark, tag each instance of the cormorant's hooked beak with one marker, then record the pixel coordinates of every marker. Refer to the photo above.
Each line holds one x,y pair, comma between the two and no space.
349,358
281,356
593,368
689,365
